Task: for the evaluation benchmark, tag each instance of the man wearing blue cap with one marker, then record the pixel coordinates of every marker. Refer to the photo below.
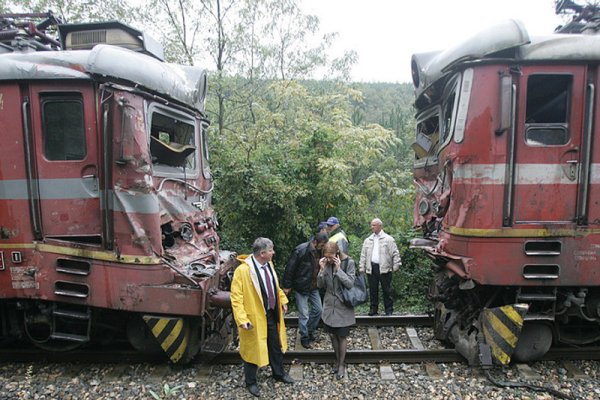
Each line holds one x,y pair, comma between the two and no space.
322,228
337,235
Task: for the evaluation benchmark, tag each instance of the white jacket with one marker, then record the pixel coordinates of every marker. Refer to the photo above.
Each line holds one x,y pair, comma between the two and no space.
389,256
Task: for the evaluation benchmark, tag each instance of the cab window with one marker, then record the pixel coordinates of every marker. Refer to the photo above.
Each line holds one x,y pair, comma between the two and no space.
63,127
547,112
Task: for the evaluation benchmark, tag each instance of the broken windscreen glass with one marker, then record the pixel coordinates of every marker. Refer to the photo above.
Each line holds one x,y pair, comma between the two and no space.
172,142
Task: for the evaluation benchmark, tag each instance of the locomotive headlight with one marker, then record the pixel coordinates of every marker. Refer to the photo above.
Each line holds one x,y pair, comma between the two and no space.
186,232
423,207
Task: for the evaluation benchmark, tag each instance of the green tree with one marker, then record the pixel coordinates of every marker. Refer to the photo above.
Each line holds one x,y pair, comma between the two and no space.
293,166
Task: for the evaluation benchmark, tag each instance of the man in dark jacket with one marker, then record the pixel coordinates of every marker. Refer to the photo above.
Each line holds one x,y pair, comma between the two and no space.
301,275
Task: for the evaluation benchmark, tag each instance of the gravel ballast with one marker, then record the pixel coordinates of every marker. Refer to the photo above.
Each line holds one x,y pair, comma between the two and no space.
363,381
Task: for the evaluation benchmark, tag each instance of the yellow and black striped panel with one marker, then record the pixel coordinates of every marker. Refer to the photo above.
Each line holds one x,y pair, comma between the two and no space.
501,329
172,335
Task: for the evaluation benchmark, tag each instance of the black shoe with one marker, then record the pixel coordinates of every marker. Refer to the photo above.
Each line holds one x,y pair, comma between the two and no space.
388,313
371,313
306,344
253,389
285,379
340,375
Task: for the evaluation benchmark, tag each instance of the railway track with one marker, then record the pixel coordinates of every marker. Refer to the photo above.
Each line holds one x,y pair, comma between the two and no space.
381,364
417,353
406,356
388,320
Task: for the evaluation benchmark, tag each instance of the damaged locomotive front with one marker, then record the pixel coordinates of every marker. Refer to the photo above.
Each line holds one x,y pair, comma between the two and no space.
108,229
506,176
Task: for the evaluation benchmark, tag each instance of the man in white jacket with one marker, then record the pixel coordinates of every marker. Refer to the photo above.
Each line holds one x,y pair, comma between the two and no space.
379,258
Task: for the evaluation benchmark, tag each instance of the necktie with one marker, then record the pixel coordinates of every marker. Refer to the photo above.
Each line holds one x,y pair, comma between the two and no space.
270,294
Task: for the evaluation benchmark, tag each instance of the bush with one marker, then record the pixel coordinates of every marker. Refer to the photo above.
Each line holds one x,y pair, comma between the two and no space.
409,285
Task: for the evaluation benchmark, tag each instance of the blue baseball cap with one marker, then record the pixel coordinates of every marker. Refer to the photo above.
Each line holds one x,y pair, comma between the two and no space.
333,221
322,225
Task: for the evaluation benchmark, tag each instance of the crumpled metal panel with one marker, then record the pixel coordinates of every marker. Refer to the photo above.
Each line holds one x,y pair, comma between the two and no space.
12,68
173,205
177,81
433,66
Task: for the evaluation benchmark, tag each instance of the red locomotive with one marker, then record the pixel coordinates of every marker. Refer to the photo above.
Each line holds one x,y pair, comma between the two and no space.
106,226
507,176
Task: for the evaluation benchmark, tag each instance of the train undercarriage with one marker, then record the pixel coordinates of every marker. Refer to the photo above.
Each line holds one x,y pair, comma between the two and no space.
57,327
469,315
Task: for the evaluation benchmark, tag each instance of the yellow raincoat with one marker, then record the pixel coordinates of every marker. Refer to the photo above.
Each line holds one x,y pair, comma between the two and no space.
247,304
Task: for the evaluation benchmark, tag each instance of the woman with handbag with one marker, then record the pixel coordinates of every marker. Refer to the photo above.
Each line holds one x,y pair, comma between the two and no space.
337,271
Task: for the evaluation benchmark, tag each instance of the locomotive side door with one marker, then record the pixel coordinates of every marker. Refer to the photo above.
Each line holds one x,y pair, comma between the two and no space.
64,138
548,144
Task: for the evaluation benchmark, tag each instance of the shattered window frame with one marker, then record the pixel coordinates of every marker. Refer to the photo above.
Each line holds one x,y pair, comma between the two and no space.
206,173
190,168
548,109
449,110
427,135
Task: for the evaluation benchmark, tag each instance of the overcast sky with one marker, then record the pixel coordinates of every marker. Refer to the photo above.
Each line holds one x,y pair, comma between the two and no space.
385,33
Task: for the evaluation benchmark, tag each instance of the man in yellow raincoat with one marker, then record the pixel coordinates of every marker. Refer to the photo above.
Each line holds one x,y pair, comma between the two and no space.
258,308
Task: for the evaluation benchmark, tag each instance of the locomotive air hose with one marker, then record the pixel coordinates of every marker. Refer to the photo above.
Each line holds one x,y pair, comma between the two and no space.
529,386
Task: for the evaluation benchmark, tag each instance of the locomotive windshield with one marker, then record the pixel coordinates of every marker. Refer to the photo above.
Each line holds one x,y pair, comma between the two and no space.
172,142
436,125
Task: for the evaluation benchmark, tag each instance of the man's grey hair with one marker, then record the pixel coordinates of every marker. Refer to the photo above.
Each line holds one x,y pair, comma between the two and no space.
261,244
377,221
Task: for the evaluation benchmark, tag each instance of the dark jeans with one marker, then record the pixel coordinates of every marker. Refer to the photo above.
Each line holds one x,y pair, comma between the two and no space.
386,284
275,353
310,308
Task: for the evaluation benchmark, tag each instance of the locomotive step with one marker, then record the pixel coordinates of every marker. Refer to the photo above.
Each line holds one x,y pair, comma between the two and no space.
70,337
72,314
71,293
536,296
538,317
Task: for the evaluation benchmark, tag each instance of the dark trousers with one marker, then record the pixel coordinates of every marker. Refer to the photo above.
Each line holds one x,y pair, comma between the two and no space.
275,353
386,284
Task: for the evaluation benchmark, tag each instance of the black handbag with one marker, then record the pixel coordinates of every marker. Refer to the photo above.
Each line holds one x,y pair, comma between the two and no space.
357,294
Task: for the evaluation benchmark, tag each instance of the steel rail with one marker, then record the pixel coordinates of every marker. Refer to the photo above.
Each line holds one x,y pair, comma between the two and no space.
292,356
380,320
405,356
357,356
